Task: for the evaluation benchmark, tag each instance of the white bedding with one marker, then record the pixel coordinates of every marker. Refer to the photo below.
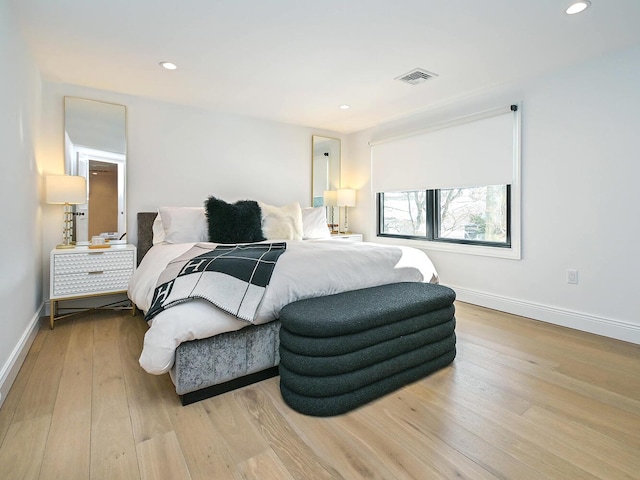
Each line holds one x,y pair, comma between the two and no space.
307,269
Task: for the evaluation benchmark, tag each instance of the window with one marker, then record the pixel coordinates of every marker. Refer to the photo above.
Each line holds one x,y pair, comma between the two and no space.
403,214
479,155
469,215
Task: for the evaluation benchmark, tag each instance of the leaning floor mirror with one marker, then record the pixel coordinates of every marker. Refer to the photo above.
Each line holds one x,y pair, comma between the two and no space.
325,168
95,142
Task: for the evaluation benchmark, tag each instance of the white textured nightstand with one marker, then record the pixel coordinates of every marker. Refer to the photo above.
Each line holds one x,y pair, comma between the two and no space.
354,237
83,272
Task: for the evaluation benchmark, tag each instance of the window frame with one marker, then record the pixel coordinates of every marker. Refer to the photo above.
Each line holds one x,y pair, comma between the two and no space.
432,221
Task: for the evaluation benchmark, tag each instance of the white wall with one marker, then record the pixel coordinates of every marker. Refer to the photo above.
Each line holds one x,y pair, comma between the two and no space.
20,242
180,155
580,201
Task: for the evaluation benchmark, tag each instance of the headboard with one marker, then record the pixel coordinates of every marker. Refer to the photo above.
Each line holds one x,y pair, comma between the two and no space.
145,232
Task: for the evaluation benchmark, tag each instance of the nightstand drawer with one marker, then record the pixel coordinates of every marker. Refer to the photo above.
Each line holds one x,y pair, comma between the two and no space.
88,283
65,264
354,237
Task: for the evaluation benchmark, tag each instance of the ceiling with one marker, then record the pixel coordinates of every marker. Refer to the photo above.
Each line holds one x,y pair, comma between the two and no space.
297,61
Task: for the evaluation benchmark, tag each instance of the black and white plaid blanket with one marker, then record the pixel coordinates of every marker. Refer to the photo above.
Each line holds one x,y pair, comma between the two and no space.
231,277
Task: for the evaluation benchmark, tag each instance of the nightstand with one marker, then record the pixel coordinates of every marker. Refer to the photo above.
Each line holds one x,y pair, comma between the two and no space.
354,237
84,272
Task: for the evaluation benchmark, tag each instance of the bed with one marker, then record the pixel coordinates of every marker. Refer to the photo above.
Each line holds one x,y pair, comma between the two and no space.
207,351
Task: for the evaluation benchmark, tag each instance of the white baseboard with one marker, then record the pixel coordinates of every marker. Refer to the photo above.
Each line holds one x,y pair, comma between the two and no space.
10,369
617,329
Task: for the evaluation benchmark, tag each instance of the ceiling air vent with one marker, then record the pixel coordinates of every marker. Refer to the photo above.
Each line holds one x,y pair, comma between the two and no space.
416,76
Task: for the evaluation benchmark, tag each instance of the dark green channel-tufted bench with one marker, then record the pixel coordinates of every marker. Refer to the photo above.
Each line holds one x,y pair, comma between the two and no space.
341,351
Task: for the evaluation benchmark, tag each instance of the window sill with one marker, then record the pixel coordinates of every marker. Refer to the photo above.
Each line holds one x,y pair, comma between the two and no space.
512,253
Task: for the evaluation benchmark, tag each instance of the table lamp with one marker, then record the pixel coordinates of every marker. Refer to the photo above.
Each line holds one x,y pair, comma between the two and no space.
330,200
66,190
346,198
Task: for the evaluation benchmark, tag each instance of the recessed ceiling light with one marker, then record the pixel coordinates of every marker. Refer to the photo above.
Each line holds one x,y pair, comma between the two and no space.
168,65
345,107
577,7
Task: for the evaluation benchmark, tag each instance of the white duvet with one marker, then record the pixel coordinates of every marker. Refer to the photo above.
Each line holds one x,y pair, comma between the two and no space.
307,269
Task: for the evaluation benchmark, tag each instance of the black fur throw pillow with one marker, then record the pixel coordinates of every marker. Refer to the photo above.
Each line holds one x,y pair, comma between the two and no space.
240,222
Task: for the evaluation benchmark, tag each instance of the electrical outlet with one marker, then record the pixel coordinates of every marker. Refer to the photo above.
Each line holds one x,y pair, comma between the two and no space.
572,277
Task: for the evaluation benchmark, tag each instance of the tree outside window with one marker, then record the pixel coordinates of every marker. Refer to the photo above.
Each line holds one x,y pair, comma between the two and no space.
461,215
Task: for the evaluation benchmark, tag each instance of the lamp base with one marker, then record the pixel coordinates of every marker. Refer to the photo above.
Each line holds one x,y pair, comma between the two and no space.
62,245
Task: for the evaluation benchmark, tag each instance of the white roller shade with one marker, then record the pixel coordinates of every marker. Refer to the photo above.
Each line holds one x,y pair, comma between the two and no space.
474,151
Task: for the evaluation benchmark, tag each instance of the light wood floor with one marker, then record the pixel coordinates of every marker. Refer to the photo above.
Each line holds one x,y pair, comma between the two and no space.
522,400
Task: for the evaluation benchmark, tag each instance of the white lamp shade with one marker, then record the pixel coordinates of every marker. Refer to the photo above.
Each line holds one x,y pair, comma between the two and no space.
69,189
346,197
330,198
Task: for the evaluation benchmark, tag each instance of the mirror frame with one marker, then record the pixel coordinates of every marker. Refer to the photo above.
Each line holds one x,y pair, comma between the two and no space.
333,178
101,153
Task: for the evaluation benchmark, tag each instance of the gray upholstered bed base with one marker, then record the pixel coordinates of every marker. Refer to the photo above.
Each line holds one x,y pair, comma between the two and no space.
208,367
211,366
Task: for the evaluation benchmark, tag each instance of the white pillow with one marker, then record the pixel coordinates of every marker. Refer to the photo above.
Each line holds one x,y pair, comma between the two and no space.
158,230
314,223
183,224
281,223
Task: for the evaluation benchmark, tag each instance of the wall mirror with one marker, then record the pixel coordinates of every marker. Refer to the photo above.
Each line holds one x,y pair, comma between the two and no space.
325,171
95,140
